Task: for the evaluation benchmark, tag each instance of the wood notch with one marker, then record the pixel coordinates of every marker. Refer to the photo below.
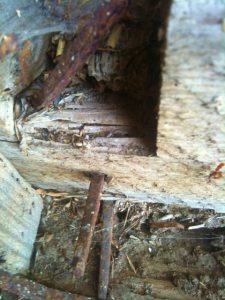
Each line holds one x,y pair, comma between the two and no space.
100,112
114,109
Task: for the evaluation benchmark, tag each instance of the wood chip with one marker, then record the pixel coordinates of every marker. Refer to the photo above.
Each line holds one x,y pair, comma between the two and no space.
131,264
166,225
51,193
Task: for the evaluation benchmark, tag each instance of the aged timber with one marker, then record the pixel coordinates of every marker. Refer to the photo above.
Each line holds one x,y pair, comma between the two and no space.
90,33
191,128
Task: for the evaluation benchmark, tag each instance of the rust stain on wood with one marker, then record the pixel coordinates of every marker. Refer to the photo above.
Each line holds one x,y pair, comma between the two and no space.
92,29
24,59
8,44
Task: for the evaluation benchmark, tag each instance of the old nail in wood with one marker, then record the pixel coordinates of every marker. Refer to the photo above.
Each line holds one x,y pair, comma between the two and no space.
105,249
83,243
92,29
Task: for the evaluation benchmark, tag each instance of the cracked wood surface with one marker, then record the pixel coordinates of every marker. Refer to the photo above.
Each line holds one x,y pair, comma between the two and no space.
20,211
191,130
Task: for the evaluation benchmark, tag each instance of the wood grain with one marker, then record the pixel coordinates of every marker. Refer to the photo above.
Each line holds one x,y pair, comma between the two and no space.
191,131
20,210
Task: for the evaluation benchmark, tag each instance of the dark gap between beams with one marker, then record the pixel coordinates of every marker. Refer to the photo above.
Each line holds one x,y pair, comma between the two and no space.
120,85
135,89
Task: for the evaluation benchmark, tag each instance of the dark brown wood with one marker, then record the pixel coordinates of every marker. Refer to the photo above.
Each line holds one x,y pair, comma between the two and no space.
92,30
83,244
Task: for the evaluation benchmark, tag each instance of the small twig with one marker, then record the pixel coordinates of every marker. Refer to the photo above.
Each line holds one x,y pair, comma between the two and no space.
105,249
127,214
171,224
83,244
112,268
131,264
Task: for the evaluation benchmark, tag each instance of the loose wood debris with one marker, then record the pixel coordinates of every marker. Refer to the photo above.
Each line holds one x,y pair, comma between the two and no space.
28,289
50,193
131,264
166,225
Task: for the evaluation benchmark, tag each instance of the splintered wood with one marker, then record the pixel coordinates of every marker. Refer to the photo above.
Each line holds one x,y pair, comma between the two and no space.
90,123
191,129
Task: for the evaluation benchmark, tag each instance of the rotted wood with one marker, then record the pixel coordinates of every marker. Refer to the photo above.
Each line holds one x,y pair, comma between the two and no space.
48,17
93,30
28,289
82,246
101,127
190,132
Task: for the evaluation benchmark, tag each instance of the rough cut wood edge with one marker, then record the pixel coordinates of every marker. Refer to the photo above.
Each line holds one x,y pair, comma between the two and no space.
191,117
178,177
7,118
149,179
20,211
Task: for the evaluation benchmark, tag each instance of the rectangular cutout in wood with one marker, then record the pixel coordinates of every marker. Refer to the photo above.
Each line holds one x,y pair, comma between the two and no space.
112,104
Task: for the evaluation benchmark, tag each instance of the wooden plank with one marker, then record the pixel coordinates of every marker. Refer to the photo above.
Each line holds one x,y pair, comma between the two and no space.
190,133
7,118
93,106
103,117
191,123
108,131
136,178
20,210
125,146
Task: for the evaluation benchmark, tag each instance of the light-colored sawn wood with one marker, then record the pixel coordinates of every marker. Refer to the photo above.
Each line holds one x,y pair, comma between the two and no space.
20,210
191,132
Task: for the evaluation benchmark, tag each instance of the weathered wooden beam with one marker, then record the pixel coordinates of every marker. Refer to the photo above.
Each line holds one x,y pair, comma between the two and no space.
191,116
191,131
135,178
20,212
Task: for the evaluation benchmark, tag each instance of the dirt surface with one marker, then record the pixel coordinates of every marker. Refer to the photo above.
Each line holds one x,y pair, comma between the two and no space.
148,262
158,252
